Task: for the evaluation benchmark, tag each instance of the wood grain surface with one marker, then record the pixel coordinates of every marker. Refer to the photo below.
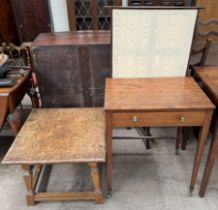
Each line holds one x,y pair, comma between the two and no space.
8,31
60,136
73,38
209,76
177,93
32,17
140,119
63,57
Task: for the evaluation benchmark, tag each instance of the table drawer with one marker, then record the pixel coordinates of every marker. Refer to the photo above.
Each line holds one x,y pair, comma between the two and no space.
135,119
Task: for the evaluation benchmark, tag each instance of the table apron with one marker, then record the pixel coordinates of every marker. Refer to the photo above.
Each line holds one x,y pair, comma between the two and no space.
174,118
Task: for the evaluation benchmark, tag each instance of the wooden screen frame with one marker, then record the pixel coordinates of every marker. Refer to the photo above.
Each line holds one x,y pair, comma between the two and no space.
156,8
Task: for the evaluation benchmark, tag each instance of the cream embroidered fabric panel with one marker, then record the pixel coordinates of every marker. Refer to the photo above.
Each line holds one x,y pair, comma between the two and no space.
151,43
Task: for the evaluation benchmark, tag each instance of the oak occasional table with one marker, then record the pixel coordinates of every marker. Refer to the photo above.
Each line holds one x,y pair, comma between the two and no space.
208,77
56,136
156,102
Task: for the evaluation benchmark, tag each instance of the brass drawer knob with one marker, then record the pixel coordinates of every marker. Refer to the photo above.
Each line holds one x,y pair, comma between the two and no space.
182,118
135,119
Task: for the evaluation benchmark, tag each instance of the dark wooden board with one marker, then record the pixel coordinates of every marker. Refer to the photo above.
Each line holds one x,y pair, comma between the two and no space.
32,17
72,67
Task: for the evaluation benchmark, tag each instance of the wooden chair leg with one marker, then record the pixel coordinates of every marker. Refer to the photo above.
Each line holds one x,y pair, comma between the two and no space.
144,132
35,101
179,138
34,97
96,183
148,133
185,136
196,132
28,180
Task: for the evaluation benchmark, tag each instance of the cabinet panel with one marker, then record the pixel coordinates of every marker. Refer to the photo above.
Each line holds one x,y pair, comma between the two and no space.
7,23
100,68
57,69
71,68
32,17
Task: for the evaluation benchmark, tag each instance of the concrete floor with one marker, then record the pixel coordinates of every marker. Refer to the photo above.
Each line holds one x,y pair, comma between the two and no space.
157,180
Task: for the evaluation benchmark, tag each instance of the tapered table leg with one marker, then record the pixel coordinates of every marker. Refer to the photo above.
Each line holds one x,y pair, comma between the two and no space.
200,147
179,138
210,162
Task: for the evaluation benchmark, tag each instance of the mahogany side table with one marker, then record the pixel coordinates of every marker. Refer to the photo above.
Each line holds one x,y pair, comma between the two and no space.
156,102
208,76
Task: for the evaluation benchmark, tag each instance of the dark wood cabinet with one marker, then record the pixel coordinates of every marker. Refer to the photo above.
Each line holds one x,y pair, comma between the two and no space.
8,31
71,68
32,17
90,14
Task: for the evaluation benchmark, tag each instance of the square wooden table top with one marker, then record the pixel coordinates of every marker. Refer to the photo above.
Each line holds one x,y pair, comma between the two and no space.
60,136
155,94
209,76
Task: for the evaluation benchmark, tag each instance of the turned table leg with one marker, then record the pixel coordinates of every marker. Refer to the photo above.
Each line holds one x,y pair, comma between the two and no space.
96,182
210,162
28,180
